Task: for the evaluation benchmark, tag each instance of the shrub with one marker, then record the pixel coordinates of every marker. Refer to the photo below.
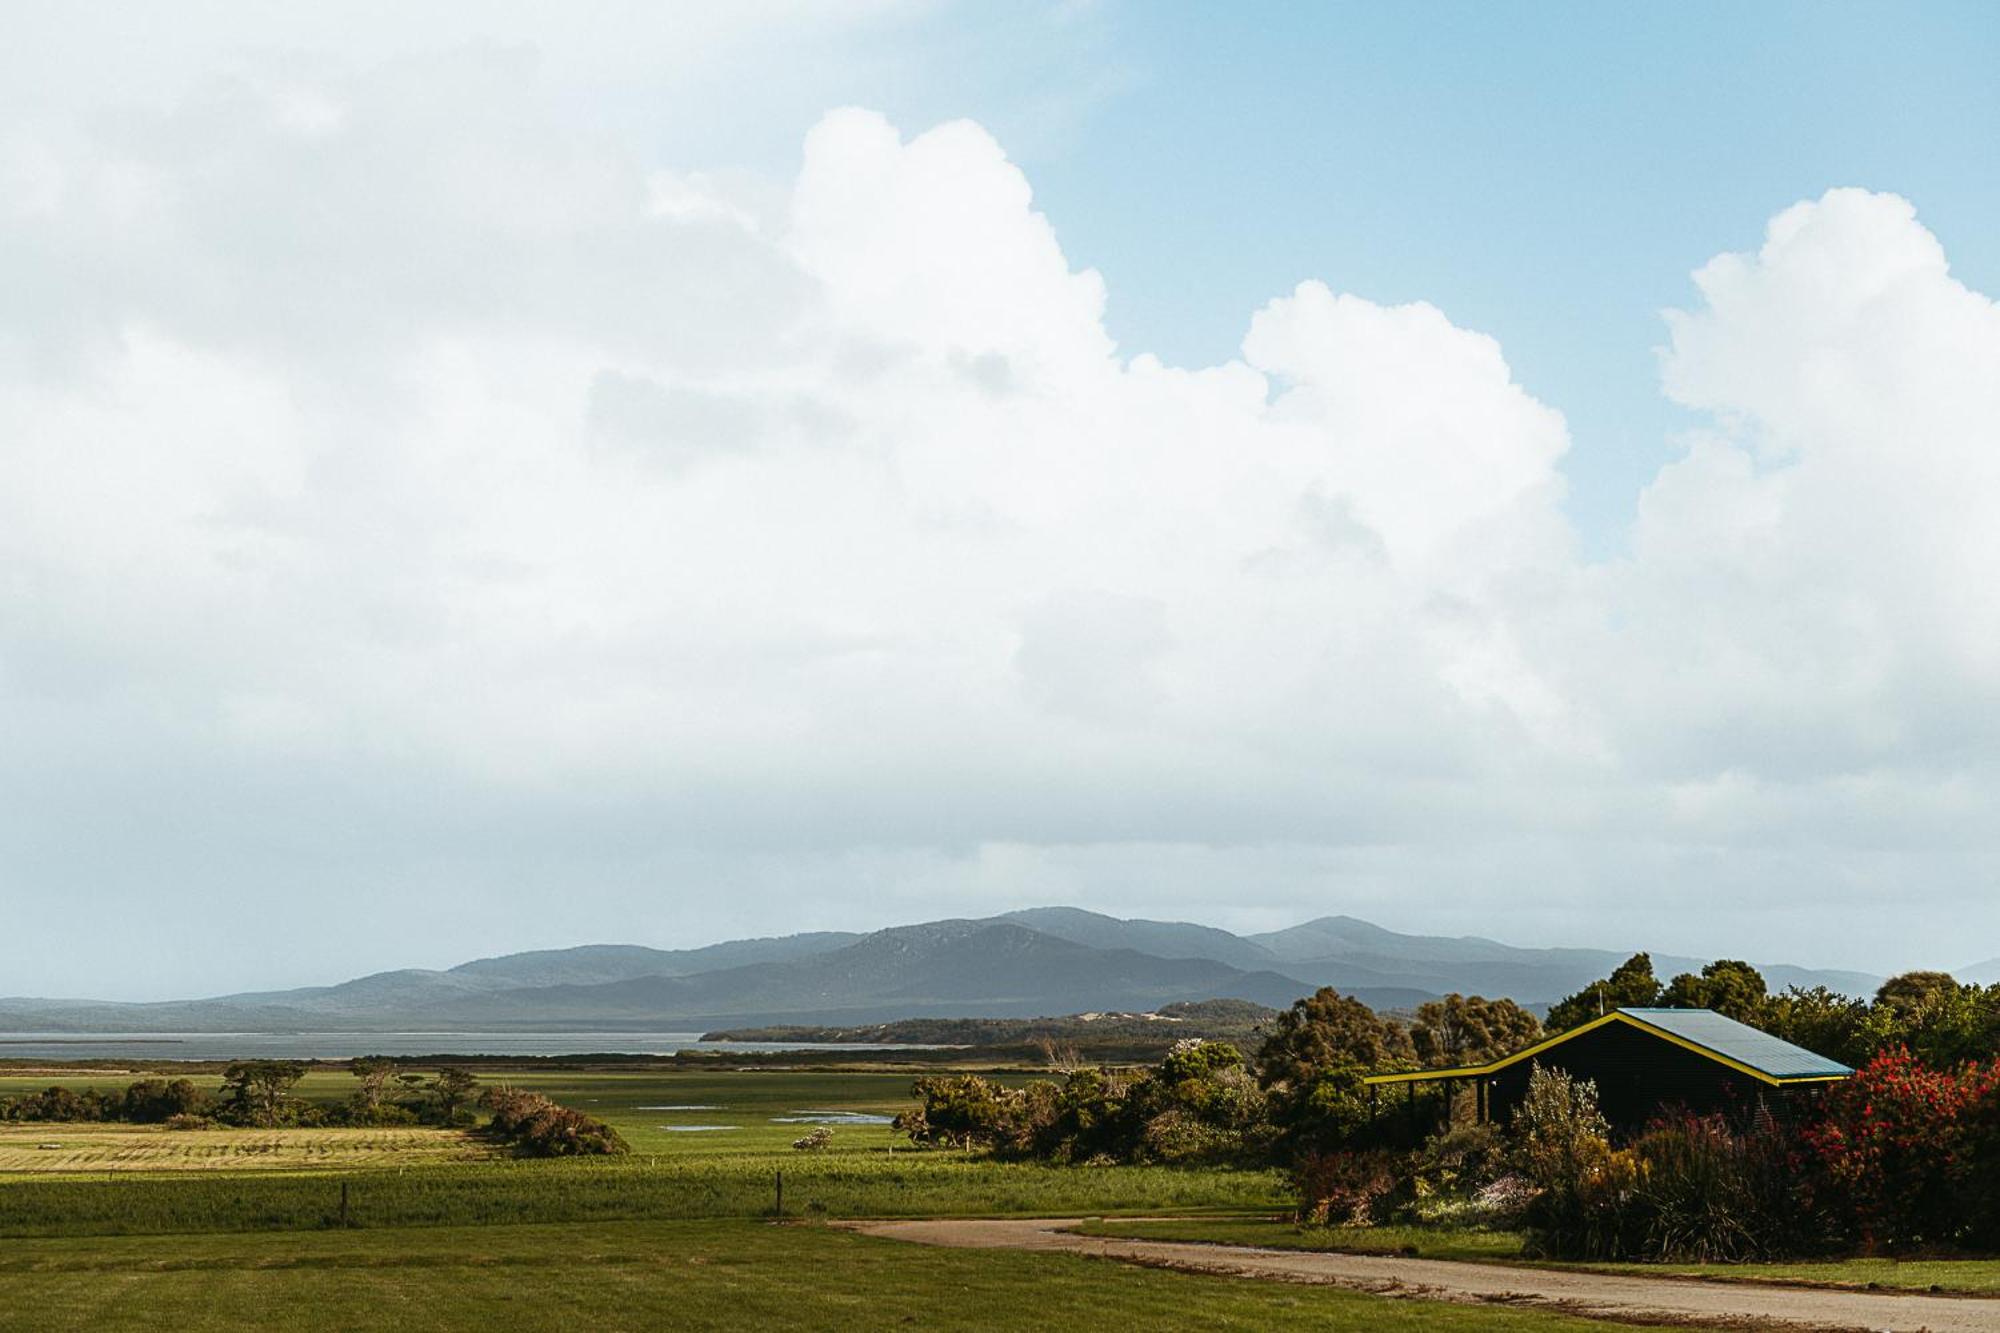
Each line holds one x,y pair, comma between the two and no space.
815,1141
1707,1193
156,1101
538,1127
1891,1147
1347,1188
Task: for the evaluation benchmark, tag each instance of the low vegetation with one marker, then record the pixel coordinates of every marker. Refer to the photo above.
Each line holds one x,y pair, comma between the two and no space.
680,1275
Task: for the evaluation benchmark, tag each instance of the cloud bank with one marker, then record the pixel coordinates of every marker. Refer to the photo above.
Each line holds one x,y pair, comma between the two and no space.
411,521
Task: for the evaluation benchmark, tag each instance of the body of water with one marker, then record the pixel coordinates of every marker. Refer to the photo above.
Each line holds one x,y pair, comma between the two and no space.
345,1045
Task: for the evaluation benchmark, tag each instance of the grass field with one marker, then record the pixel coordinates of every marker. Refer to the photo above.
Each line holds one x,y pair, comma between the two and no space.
89,1149
1977,1277
683,1275
672,1173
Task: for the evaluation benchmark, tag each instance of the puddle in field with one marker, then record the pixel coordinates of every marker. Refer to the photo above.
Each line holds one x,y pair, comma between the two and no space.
832,1118
677,1108
695,1129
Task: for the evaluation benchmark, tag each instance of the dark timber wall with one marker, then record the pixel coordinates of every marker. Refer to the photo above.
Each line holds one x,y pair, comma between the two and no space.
1637,1076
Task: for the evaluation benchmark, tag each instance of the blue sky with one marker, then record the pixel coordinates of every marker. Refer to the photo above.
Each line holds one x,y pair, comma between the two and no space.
702,465
1547,173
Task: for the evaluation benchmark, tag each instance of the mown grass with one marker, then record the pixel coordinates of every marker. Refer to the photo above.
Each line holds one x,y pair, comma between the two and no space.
683,1275
1975,1277
62,1149
853,1185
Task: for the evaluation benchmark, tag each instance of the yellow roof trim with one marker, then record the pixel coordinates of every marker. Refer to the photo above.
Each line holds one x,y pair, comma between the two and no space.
1615,1016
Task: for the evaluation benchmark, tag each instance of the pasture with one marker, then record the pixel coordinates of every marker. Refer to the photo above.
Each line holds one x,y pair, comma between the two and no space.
634,1275
673,1171
88,1149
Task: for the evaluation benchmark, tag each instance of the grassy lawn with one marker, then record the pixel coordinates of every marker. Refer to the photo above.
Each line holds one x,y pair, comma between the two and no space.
1967,1276
654,1275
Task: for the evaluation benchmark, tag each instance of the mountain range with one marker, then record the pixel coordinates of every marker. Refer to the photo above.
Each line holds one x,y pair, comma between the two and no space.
1038,961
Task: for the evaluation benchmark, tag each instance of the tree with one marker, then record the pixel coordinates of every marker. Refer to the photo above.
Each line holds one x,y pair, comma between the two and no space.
1630,985
1727,986
374,1072
1329,1031
1313,1063
1822,1021
450,1091
256,1091
1912,991
1470,1030
154,1101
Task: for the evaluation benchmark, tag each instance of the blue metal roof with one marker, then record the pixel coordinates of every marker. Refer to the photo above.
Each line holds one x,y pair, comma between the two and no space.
1740,1042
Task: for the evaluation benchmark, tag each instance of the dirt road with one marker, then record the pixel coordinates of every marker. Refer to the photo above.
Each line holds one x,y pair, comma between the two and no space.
1605,1296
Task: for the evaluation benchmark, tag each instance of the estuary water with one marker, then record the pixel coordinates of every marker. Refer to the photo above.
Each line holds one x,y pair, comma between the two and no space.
345,1045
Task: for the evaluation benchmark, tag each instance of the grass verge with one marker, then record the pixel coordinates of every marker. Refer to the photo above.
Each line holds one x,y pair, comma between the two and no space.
1968,1277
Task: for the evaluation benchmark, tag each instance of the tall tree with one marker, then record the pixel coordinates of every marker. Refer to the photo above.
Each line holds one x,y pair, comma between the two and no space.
257,1091
1326,1031
1631,983
1727,986
1470,1030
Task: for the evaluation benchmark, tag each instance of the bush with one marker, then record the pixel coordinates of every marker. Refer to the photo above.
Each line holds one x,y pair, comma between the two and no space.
155,1101
1348,1188
538,1127
814,1141
1707,1193
1895,1147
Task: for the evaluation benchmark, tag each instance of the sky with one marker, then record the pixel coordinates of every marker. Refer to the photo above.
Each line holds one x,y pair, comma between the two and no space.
475,478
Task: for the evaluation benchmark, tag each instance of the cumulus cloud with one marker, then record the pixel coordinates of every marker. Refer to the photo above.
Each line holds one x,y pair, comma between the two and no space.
420,510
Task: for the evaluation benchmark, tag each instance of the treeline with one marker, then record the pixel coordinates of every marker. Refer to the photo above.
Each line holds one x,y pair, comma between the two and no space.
1227,1019
260,1093
1940,1021
1904,1155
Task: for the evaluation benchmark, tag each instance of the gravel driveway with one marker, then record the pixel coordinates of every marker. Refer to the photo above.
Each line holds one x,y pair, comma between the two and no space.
1651,1300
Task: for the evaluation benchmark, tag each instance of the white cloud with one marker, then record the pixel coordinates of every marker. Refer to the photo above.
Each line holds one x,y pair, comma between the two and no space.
416,508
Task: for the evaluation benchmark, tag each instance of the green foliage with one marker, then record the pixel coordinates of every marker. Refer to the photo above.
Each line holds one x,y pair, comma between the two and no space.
1325,1031
1630,985
258,1092
1313,1063
1470,1030
1709,1192
1822,1021
1199,1104
1729,987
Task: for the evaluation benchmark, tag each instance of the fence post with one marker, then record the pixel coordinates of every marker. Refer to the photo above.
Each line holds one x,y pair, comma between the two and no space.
343,1203
781,1194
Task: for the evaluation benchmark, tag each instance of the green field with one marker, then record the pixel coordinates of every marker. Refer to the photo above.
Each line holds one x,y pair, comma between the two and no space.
139,1227
670,1174
634,1275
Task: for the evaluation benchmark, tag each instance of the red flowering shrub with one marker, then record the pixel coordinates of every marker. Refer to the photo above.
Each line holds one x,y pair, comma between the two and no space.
1891,1148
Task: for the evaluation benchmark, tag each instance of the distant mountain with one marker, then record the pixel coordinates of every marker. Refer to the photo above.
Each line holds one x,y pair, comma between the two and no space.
1979,974
1349,953
1039,961
1162,939
591,964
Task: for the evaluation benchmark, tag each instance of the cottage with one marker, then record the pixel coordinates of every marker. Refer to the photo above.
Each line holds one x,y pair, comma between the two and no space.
1644,1061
